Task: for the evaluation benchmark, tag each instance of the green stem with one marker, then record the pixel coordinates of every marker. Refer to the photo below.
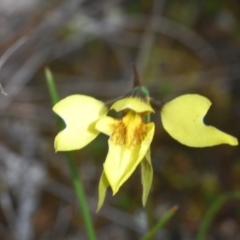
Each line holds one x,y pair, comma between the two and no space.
212,211
81,196
150,215
72,166
152,232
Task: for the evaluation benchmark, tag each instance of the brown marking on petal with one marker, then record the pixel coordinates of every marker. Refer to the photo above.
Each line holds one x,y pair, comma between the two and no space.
129,131
139,134
119,132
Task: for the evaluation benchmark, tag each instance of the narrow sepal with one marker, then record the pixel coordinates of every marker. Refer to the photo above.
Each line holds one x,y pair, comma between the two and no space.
146,176
102,190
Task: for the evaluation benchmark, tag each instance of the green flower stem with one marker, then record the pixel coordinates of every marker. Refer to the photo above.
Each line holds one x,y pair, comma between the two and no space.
212,211
81,196
151,233
149,211
72,166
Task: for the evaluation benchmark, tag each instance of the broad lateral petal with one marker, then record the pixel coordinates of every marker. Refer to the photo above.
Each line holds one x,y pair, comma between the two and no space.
80,114
183,117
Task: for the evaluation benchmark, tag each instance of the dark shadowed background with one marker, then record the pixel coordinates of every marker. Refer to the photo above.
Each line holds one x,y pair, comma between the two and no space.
179,46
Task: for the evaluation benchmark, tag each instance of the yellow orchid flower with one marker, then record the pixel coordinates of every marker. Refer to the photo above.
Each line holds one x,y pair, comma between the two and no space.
130,139
130,136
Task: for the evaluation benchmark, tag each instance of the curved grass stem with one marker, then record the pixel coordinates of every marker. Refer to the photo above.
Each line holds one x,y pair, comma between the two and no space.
72,166
152,232
212,211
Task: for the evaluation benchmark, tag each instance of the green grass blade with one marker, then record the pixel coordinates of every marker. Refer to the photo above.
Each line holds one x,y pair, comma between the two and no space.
151,233
212,211
72,166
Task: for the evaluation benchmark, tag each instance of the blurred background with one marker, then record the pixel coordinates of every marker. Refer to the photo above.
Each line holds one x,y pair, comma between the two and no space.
179,46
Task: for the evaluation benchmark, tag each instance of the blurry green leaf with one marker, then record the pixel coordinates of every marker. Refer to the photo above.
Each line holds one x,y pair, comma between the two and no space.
213,210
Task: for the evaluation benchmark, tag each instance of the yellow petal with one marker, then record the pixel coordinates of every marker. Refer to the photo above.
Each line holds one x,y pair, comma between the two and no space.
106,125
127,148
147,176
102,190
134,104
183,117
80,114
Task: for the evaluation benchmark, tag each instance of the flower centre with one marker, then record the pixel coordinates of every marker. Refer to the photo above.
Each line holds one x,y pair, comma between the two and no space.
130,130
